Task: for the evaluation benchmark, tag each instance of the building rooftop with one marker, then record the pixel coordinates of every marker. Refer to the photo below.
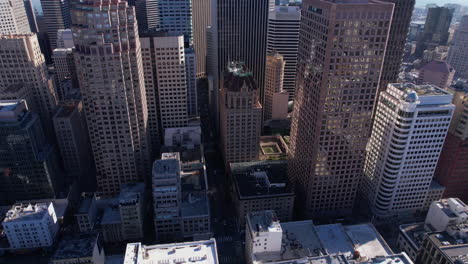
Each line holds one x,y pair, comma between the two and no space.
199,252
261,179
194,196
401,258
168,164
420,90
130,193
186,155
273,148
12,110
66,110
85,203
76,247
111,215
27,212
438,66
415,233
455,249
237,77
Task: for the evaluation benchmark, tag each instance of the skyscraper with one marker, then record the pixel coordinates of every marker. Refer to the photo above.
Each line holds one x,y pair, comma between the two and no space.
31,16
436,29
201,19
147,13
458,51
176,16
438,73
410,126
396,41
275,103
14,19
73,141
56,16
341,51
240,30
240,115
283,37
29,167
166,83
27,69
64,69
110,74
190,74
452,170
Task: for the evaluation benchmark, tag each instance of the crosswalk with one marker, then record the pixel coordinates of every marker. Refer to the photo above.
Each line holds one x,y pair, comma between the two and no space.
222,239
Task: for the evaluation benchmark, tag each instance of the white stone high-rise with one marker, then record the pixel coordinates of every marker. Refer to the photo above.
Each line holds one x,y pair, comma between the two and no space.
458,51
166,83
275,102
283,37
411,123
110,73
13,18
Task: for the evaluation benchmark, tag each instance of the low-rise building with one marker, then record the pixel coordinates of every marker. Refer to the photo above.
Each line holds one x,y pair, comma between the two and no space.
438,73
85,248
273,148
87,212
180,202
260,186
448,216
269,241
30,226
442,248
200,252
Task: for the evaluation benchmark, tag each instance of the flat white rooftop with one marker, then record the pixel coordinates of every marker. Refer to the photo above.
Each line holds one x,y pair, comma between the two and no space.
198,252
27,212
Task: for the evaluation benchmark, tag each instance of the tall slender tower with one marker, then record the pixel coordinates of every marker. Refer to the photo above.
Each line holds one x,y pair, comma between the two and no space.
14,19
110,73
240,114
56,16
458,52
283,37
436,29
240,29
275,103
341,51
410,126
396,41
201,20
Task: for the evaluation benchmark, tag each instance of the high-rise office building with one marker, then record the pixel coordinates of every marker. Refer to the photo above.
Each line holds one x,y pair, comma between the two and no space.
201,19
338,75
56,16
30,13
240,31
64,69
436,29
240,115
283,37
110,73
458,51
411,123
147,13
14,19
27,69
452,169
438,73
176,16
29,168
396,41
191,75
275,103
166,83
73,142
